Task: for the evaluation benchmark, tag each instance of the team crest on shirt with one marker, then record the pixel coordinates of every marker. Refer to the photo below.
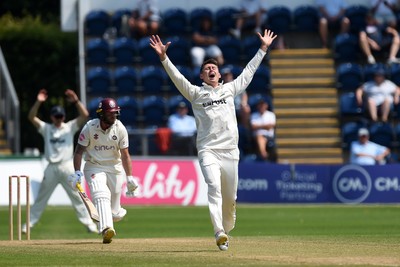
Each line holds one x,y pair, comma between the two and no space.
96,136
114,137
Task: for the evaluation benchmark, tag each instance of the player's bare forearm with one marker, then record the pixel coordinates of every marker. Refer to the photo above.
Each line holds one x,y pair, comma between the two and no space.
78,156
126,161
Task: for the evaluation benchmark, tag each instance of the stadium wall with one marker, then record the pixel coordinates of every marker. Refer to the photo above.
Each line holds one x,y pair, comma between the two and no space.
174,181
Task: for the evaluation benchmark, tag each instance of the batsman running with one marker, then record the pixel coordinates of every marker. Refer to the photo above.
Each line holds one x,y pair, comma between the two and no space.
217,131
107,165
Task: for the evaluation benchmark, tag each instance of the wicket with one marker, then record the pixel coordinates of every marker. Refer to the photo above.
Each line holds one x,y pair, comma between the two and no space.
10,206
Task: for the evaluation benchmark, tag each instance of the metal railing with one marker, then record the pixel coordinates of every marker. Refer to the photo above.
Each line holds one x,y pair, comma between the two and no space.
9,107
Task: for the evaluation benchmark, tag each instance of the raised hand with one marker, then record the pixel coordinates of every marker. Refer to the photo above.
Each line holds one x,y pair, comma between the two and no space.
42,95
267,39
159,47
71,96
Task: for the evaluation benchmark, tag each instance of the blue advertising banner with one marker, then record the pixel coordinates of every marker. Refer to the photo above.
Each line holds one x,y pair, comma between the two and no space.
284,183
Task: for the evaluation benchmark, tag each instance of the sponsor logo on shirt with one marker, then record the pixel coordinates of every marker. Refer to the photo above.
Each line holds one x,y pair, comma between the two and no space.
57,140
104,147
214,102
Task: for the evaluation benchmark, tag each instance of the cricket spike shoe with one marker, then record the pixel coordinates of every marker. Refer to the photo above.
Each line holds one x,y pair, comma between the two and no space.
108,234
222,240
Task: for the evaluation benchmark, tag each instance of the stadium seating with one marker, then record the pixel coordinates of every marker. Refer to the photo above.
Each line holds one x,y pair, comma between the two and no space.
261,82
349,133
251,44
125,80
152,79
349,76
235,69
178,51
370,69
154,110
382,133
279,19
96,23
225,19
146,52
129,110
253,100
116,18
98,81
175,21
349,110
306,18
97,52
92,106
124,51
346,48
231,49
173,101
186,72
394,72
197,14
356,14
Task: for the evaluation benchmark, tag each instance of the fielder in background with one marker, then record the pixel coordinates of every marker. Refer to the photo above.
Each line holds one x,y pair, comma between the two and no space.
108,163
217,130
58,149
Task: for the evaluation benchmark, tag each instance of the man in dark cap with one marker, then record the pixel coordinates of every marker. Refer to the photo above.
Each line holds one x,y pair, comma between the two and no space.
58,149
379,94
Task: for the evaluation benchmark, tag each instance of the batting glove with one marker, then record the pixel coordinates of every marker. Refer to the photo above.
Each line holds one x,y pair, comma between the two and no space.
131,186
75,179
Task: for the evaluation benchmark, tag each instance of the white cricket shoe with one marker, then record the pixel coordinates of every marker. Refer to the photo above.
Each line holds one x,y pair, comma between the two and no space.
108,234
23,228
120,215
222,240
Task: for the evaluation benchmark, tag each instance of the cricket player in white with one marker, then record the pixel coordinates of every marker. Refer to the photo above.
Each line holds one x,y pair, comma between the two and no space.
58,149
105,141
217,131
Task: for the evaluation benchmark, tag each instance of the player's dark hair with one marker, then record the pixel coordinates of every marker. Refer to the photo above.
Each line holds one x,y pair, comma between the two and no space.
209,61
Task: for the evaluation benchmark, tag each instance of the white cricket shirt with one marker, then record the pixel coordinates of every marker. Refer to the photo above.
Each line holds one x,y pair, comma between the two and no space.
103,147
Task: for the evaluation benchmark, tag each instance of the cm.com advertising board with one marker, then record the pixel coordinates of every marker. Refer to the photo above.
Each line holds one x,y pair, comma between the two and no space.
180,182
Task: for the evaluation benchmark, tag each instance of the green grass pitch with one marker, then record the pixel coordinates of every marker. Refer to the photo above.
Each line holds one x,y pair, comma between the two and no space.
265,235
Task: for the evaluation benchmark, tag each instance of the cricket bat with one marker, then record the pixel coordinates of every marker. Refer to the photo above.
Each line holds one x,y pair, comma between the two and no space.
88,203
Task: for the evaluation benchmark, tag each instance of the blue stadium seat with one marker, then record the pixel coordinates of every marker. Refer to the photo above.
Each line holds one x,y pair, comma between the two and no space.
349,76
97,52
129,110
356,14
92,106
147,54
349,133
173,101
251,44
124,50
279,19
349,108
116,18
96,23
154,110
382,133
153,79
178,51
197,14
394,72
224,19
306,18
125,80
98,80
346,48
261,83
175,21
370,69
231,49
253,100
235,69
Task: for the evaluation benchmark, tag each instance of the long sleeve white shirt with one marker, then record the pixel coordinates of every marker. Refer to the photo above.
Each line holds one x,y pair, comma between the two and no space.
214,108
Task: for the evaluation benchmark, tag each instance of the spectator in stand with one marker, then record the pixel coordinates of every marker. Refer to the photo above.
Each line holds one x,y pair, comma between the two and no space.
241,101
144,20
183,127
332,18
205,44
378,94
365,152
263,125
377,37
384,12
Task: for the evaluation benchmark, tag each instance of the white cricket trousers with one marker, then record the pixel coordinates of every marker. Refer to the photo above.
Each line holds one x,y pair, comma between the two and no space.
54,174
220,171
